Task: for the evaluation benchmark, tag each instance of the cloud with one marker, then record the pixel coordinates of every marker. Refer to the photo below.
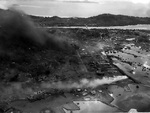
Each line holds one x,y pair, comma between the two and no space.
3,5
31,6
141,1
148,10
83,8
79,1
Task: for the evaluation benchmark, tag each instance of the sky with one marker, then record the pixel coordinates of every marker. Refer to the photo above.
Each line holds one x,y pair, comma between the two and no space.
80,8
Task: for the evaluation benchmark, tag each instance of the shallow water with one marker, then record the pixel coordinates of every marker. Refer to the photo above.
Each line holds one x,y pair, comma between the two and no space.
92,107
125,97
134,62
83,93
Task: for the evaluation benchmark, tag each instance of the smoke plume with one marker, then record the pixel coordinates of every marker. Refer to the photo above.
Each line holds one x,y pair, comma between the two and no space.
19,90
18,31
84,83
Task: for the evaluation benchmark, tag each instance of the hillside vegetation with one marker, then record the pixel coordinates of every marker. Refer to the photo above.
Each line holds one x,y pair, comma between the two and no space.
100,20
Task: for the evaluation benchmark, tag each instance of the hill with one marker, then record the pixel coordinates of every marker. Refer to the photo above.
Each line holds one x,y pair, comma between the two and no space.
100,20
95,21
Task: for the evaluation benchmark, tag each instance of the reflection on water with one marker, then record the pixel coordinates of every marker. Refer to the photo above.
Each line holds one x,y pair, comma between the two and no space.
59,99
132,61
92,107
142,27
103,99
125,97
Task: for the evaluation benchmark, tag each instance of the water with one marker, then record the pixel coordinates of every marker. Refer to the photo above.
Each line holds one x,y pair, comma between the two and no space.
132,27
126,96
85,93
92,107
134,62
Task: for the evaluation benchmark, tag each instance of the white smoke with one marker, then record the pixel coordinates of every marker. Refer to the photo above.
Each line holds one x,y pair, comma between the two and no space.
84,83
18,90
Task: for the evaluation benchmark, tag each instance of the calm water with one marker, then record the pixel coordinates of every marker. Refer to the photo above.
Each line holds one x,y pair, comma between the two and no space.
92,107
134,62
141,27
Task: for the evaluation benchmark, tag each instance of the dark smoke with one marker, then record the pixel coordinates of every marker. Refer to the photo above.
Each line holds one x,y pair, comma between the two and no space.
19,33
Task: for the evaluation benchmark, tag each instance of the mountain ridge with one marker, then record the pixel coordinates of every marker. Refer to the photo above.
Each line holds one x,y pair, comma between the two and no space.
94,21
101,20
